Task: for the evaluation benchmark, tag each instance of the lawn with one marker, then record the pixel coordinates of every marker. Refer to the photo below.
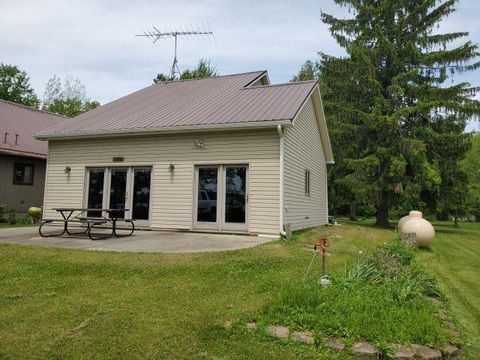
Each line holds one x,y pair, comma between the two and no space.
74,304
455,260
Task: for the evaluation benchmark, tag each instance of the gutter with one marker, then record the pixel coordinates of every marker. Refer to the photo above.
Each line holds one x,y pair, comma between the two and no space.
280,212
20,153
165,130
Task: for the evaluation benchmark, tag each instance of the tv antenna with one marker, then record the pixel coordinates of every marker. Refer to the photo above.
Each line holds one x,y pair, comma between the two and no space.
198,32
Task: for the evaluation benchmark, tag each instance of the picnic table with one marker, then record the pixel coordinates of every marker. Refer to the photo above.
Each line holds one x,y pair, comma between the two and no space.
80,216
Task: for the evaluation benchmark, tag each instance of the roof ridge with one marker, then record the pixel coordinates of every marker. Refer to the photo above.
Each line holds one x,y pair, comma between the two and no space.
280,84
208,77
33,109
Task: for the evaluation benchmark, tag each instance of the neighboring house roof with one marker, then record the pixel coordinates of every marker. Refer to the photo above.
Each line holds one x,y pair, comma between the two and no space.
215,102
18,124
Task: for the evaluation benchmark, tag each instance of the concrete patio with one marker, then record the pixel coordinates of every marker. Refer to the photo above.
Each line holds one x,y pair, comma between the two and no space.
141,241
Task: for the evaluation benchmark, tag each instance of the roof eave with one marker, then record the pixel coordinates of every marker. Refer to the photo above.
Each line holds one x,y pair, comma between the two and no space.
166,130
23,154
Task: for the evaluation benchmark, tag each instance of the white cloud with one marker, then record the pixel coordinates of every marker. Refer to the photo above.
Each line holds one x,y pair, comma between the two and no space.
94,40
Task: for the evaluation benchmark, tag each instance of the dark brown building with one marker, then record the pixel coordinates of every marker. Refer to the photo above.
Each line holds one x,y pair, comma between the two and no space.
23,158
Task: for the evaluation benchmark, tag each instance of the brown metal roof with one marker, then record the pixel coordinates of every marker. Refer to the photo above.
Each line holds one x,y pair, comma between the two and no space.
18,123
213,102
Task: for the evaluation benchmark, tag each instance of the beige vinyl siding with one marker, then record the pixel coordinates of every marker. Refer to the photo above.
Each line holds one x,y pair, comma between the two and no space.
303,151
172,194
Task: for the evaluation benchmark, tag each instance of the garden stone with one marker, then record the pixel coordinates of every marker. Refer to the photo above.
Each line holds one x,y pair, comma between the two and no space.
335,344
278,331
442,315
251,325
453,333
303,336
403,353
434,301
426,353
363,348
450,351
450,325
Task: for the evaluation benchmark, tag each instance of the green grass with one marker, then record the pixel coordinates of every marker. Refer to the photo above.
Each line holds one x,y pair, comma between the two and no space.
7,225
455,260
382,298
74,304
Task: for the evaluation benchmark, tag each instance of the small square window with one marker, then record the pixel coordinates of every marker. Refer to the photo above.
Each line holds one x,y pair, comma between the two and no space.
307,182
23,174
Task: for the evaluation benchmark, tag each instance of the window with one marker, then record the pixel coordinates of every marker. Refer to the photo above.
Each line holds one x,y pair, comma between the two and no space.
23,174
307,182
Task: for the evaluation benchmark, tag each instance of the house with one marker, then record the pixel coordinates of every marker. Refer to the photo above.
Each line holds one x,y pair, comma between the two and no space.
229,153
22,158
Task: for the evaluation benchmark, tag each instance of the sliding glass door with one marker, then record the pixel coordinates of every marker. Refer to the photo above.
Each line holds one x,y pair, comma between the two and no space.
95,191
206,216
119,188
141,194
221,198
118,191
235,198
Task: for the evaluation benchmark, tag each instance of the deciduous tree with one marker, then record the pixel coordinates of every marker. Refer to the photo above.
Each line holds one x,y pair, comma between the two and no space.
15,86
204,69
67,99
308,71
471,167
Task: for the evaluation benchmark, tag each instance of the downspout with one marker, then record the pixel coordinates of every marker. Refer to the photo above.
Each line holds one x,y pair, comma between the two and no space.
280,212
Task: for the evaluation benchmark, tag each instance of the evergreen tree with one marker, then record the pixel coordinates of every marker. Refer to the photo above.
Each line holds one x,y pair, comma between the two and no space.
346,98
15,86
409,126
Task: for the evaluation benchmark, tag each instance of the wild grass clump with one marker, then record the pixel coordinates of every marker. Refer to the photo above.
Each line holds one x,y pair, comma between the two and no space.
381,297
392,265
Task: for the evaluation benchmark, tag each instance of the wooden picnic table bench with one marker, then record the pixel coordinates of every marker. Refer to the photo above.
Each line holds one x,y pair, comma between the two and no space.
76,216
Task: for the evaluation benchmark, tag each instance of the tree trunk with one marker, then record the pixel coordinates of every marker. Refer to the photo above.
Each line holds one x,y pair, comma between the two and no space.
443,216
353,210
382,211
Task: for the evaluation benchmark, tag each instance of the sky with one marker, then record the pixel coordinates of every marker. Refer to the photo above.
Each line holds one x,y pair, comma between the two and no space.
94,40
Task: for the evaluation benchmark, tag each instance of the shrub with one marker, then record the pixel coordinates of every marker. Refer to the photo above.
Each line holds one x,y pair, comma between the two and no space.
12,218
3,208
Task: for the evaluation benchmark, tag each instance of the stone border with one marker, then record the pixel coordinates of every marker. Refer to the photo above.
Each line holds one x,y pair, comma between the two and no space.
361,348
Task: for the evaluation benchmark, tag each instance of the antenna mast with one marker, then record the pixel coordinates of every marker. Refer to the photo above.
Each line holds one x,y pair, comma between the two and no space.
198,32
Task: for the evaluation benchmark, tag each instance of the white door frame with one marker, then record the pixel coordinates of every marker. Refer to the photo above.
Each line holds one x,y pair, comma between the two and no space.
243,227
106,204
87,182
130,187
128,191
220,224
204,225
